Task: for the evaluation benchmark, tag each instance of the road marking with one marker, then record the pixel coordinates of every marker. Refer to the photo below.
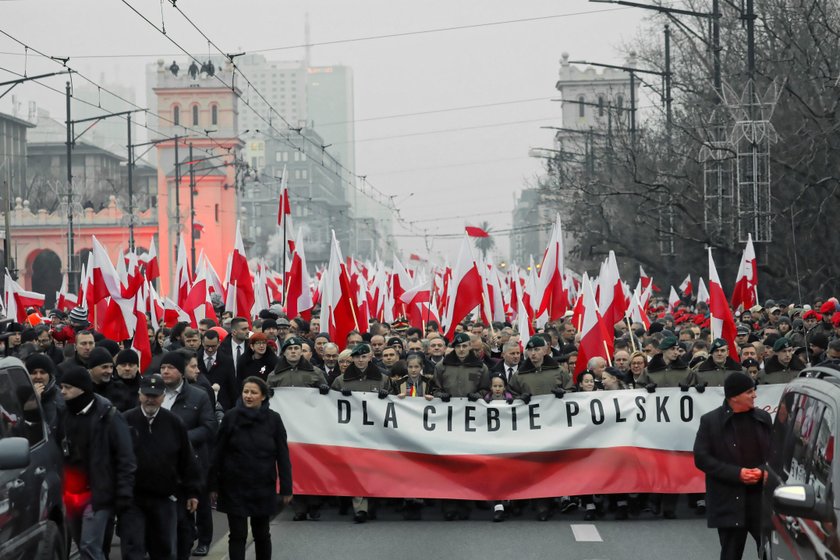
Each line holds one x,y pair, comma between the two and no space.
586,533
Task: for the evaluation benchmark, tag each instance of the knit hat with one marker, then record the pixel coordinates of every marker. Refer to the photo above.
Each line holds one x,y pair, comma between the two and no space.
269,324
127,356
99,356
174,359
818,339
112,347
39,361
78,377
79,316
737,383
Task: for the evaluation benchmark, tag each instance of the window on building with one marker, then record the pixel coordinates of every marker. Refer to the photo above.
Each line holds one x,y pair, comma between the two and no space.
304,173
303,156
581,107
176,114
297,156
214,115
195,115
216,212
297,173
600,105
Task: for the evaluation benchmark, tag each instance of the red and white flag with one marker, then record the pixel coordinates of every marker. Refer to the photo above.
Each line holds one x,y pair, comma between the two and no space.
338,299
722,322
240,284
595,339
465,289
16,299
686,287
140,342
673,300
65,301
298,291
551,293
612,304
745,293
702,292
284,208
151,264
183,278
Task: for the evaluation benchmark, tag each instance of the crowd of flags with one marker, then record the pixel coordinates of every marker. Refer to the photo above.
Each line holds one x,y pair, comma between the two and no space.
122,300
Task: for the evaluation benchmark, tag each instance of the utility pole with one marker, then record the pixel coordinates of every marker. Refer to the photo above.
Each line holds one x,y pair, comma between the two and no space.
192,207
72,286
7,215
130,188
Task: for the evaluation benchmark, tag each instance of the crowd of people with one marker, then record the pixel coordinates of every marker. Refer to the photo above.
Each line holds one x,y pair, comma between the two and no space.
152,452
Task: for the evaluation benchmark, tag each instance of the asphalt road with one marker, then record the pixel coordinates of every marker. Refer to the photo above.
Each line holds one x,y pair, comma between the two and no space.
564,536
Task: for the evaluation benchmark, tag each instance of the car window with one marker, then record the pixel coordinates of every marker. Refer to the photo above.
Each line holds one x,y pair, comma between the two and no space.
11,413
31,424
804,433
822,457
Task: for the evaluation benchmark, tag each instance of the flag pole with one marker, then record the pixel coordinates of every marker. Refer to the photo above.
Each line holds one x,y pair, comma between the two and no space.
632,336
283,224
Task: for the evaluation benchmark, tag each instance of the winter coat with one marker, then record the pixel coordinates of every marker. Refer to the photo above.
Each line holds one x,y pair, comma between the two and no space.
166,465
118,393
423,381
53,404
249,365
302,374
193,407
540,381
111,462
222,374
370,380
459,379
666,375
75,360
712,374
775,372
714,454
250,450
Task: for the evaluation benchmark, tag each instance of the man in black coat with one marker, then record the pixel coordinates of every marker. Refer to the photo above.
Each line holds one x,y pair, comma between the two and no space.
100,364
42,372
166,468
99,462
731,447
192,406
84,346
218,368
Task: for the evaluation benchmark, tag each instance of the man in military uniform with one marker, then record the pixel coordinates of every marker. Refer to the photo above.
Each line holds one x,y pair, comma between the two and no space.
783,365
666,369
712,371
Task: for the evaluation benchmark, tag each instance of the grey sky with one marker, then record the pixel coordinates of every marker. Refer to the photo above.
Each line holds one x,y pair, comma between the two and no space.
465,175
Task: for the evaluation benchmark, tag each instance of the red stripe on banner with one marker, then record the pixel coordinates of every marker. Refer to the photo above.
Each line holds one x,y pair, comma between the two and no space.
344,471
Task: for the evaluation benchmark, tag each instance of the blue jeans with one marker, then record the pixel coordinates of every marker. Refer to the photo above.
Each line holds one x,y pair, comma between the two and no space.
88,530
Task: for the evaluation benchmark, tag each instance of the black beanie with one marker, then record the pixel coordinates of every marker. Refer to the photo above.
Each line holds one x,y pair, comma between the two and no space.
737,383
77,376
175,359
99,356
39,361
112,347
127,356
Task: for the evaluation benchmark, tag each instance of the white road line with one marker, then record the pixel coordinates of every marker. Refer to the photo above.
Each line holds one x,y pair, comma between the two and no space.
586,533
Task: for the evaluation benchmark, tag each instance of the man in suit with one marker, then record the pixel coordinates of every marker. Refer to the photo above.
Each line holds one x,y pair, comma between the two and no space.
234,345
511,360
330,367
192,406
219,371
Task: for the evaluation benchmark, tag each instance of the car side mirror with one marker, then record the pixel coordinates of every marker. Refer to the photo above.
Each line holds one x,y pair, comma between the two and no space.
798,500
14,453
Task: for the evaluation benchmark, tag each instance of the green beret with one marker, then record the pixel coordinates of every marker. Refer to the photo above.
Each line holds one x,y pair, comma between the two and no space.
667,342
291,341
535,342
460,338
360,349
719,343
781,344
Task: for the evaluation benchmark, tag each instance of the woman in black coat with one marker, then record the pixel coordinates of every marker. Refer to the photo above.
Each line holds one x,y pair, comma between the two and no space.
258,360
250,450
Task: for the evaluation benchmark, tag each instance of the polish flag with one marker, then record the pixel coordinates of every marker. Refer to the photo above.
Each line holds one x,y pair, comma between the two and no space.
182,274
104,278
16,299
400,282
152,266
523,323
65,301
550,288
673,300
612,305
214,283
284,209
339,303
197,304
240,284
745,293
702,292
134,278
685,287
722,322
473,231
595,340
465,289
646,280
636,312
140,342
119,320
173,314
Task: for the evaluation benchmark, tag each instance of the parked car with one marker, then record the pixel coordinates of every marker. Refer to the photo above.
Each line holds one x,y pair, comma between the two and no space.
32,521
801,499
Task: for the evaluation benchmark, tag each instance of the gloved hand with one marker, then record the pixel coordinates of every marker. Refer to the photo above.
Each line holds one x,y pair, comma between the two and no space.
323,388
650,387
684,387
346,392
472,397
526,397
383,393
701,387
559,392
445,397
509,400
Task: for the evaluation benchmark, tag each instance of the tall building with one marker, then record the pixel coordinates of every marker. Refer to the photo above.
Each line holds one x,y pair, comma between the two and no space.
330,111
206,186
111,133
282,83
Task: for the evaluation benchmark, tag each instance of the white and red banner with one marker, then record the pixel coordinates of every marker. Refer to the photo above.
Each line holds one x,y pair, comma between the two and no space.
585,443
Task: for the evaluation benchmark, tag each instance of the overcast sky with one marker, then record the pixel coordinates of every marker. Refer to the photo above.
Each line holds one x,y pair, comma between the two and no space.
473,161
